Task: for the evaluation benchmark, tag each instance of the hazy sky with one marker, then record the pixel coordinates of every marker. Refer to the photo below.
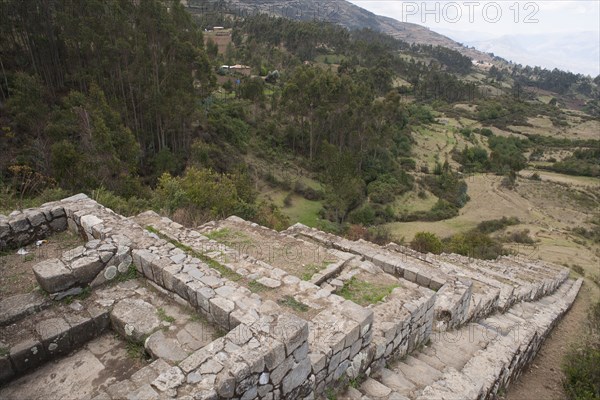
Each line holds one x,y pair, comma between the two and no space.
493,17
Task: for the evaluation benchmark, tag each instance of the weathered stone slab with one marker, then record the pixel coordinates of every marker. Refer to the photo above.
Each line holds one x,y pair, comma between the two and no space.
18,306
161,347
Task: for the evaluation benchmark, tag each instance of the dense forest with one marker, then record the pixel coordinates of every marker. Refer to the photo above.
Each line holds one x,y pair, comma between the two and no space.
121,99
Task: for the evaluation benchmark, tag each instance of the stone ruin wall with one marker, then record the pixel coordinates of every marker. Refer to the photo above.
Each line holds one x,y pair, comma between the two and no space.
267,352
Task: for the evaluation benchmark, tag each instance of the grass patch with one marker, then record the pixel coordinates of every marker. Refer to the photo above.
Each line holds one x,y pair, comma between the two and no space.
135,350
227,236
257,287
311,269
365,293
223,270
290,302
330,394
85,293
131,273
162,314
4,351
301,210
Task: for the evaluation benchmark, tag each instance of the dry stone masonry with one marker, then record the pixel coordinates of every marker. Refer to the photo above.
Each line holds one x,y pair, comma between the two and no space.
233,310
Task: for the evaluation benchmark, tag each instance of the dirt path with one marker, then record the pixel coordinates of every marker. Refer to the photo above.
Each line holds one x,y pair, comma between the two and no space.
543,378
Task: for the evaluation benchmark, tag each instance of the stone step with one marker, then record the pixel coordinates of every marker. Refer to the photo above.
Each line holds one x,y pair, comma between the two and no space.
101,367
512,341
477,359
47,335
396,382
418,372
17,307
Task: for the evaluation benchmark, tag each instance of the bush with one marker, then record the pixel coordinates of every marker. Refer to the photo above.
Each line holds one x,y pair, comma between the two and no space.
486,132
494,225
440,211
408,164
287,201
521,237
307,192
426,242
386,187
448,186
474,244
364,215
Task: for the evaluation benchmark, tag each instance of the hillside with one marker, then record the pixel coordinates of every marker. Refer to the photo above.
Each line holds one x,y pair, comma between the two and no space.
343,13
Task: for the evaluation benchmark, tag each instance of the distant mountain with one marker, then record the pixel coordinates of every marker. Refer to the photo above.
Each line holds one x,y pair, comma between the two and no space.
576,52
346,14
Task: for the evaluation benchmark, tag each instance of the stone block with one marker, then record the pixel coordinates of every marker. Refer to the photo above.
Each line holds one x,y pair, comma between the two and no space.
4,230
83,329
36,218
27,355
85,269
195,360
275,354
53,275
55,336
169,379
220,308
203,296
101,317
281,371
296,376
59,224
144,392
19,224
6,370
134,319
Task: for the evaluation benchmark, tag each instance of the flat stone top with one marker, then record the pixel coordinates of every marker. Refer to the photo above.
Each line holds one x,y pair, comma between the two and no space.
295,256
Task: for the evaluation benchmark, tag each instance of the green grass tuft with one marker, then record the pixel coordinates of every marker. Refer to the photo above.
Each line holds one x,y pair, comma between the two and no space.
164,316
290,302
365,293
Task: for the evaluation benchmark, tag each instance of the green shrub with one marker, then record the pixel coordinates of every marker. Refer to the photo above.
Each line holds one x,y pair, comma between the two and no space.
426,242
494,225
474,244
486,132
364,215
